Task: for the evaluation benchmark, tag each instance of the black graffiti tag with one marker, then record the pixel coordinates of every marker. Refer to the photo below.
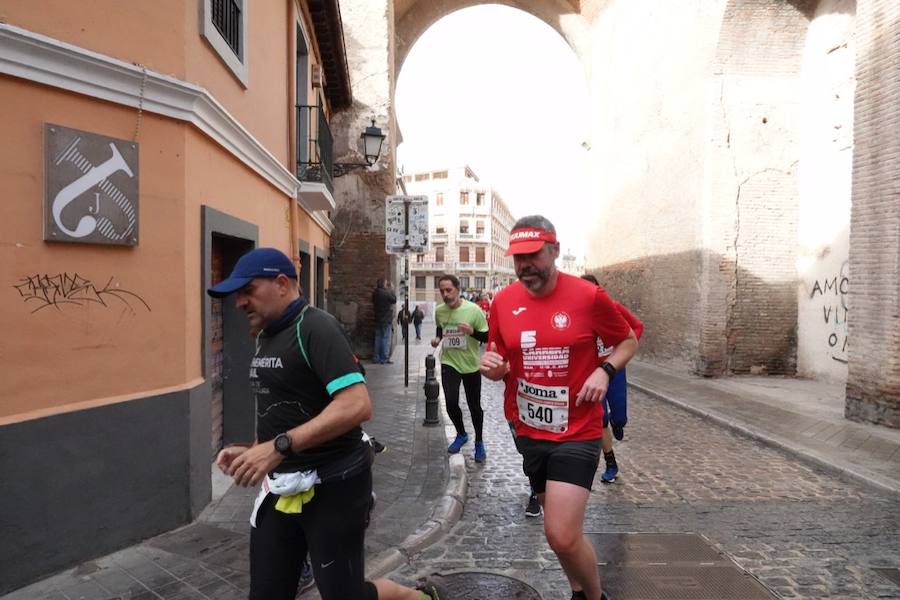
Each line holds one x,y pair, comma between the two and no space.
45,291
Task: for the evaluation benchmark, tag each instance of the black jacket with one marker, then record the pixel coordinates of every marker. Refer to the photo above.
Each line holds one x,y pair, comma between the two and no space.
383,299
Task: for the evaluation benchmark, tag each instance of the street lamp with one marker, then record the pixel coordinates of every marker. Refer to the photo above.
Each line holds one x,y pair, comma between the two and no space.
373,139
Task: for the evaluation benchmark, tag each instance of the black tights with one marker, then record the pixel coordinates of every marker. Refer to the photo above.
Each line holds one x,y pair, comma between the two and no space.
450,379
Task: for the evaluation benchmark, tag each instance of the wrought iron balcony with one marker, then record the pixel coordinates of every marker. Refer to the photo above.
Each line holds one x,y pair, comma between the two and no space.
315,147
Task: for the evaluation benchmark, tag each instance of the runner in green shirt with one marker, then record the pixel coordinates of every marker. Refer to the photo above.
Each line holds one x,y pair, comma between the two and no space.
460,326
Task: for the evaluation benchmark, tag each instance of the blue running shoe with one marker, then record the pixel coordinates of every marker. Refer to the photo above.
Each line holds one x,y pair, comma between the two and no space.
610,474
459,442
480,454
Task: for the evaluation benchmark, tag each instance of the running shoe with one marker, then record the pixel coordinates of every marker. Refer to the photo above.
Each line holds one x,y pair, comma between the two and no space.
459,442
581,596
306,578
534,508
480,454
433,586
377,446
610,474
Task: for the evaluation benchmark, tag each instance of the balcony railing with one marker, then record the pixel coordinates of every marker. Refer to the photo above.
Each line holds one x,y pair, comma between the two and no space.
315,147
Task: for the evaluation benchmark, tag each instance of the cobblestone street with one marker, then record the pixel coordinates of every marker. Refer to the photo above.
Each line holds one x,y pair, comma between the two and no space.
803,532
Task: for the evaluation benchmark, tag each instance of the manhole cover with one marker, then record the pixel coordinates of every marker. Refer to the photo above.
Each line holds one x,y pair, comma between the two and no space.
889,573
479,586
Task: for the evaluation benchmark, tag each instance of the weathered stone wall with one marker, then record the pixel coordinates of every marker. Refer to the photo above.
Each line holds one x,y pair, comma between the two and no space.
357,243
825,169
696,160
873,383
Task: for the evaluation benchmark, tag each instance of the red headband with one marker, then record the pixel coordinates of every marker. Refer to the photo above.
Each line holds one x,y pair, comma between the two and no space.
526,240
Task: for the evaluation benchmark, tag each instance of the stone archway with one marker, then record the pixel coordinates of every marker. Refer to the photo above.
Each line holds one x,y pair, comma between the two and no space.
413,17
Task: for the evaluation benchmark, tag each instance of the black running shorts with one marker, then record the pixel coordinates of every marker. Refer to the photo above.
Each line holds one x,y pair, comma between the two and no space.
570,462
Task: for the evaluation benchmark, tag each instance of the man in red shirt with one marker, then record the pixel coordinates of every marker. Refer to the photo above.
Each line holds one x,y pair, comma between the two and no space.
542,344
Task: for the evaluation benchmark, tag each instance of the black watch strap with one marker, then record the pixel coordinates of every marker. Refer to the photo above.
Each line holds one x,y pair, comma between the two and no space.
609,368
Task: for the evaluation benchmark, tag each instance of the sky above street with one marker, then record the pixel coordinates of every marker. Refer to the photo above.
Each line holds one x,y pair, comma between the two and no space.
497,89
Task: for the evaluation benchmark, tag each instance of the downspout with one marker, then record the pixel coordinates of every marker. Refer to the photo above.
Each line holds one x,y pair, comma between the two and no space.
293,127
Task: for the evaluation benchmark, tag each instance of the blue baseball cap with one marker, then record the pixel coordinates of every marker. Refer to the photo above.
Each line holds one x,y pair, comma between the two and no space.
262,262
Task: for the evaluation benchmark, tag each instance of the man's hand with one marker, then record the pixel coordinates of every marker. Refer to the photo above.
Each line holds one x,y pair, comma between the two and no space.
254,463
435,341
594,388
493,366
466,328
227,455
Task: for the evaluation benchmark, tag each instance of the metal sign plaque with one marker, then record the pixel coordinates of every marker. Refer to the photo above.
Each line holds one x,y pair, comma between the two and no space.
90,187
399,229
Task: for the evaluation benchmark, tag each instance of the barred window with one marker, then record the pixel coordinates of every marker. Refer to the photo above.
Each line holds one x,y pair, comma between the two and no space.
226,16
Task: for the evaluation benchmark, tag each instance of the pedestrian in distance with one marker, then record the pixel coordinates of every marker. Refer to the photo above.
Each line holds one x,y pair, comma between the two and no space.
418,316
403,319
383,301
542,344
461,326
309,455
615,404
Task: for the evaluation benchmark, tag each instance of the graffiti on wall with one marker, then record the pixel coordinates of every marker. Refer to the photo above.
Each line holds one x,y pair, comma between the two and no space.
832,294
46,291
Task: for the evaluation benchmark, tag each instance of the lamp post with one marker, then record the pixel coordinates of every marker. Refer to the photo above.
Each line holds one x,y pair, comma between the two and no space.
373,139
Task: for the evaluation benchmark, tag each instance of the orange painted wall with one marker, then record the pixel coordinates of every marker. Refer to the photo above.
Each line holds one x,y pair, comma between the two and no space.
164,35
148,33
53,357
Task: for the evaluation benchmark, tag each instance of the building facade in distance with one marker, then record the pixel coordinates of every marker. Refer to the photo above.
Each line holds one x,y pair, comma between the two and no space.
469,225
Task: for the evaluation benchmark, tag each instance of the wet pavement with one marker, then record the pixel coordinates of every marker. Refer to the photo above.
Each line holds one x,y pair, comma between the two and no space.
811,510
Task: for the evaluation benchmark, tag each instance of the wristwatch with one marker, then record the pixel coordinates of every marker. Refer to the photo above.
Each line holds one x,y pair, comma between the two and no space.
609,368
283,443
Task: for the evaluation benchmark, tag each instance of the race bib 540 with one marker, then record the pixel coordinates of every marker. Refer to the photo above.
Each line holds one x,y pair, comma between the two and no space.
543,406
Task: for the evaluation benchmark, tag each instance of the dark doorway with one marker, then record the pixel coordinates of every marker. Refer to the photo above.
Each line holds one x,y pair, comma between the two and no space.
231,348
320,280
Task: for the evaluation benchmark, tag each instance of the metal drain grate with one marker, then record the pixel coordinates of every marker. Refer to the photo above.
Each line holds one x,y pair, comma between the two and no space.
473,585
670,566
655,548
892,574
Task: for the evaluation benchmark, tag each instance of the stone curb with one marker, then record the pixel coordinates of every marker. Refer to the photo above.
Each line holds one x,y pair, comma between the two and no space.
806,454
445,514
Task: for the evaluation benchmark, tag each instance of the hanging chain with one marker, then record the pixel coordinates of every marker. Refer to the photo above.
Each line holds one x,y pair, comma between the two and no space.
137,125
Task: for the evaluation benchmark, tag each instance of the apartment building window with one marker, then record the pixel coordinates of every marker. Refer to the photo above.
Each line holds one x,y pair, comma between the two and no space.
464,227
439,229
479,199
439,199
479,227
479,254
463,254
464,282
422,176
439,175
439,253
420,258
479,283
464,198
420,282
224,25
437,281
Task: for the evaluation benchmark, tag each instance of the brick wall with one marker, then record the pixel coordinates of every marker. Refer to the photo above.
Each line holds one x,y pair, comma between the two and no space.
873,383
358,262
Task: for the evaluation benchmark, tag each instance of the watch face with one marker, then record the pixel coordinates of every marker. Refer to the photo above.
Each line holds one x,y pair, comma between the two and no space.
283,443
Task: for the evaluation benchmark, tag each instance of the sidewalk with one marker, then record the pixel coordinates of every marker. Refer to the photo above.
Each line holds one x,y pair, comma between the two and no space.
801,416
420,495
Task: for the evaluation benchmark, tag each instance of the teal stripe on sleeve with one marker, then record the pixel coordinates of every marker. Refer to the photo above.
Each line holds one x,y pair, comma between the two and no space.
344,381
